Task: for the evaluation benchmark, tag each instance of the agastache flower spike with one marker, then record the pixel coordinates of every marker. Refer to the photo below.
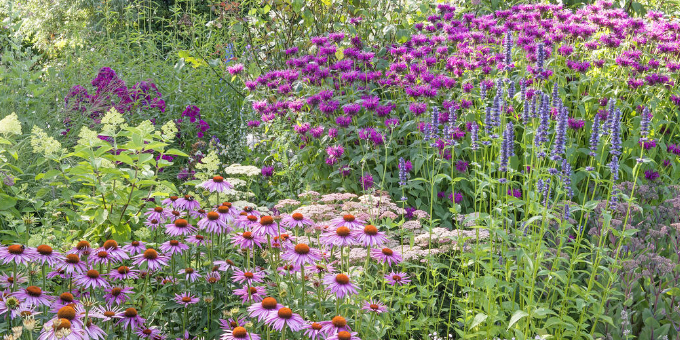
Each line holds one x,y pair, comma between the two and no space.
614,167
555,96
523,90
616,133
506,146
482,90
526,113
566,177
644,124
403,173
560,134
595,135
474,136
540,56
508,49
450,126
511,89
488,121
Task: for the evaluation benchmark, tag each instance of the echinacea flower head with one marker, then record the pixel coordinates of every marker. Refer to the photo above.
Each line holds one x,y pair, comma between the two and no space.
386,255
153,260
6,281
239,333
190,274
397,279
73,265
296,220
180,227
313,331
187,202
61,329
229,325
267,226
212,223
135,247
248,240
117,253
340,237
344,335
62,300
173,247
186,299
198,240
33,295
16,254
251,293
283,317
123,273
225,265
159,214
247,277
370,236
301,255
217,184
148,333
261,310
131,319
349,221
335,325
44,254
117,295
91,279
340,285
170,202
107,312
374,307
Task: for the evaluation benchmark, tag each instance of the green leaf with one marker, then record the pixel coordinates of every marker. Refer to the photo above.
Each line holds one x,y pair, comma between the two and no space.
7,202
516,316
176,153
479,318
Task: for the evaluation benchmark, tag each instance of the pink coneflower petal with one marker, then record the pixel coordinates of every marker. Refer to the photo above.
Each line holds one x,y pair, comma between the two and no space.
262,309
217,184
283,317
186,299
397,279
386,255
301,255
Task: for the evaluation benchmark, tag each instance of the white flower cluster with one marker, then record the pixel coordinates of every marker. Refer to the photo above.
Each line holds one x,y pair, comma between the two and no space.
42,143
238,169
10,125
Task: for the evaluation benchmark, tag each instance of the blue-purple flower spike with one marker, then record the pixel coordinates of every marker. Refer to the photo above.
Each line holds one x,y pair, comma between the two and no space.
474,136
595,136
506,146
644,124
560,134
403,173
616,133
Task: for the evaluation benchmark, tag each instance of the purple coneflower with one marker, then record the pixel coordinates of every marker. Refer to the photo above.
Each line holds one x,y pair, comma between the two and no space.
212,223
62,300
386,255
370,236
339,285
173,247
374,306
101,257
135,247
148,333
198,240
187,203
251,294
313,331
152,224
395,279
16,253
348,221
44,254
239,333
262,309
186,299
73,264
247,277
340,237
344,335
285,317
117,295
107,312
33,295
266,226
191,274
230,324
336,325
131,319
217,184
225,265
117,253
247,240
159,214
7,281
198,214
302,254
91,279
179,227
170,202
153,260
92,331
296,220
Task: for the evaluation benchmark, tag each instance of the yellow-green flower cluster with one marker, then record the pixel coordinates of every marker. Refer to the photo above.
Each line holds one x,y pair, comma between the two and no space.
88,137
44,144
209,165
169,130
112,121
10,125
